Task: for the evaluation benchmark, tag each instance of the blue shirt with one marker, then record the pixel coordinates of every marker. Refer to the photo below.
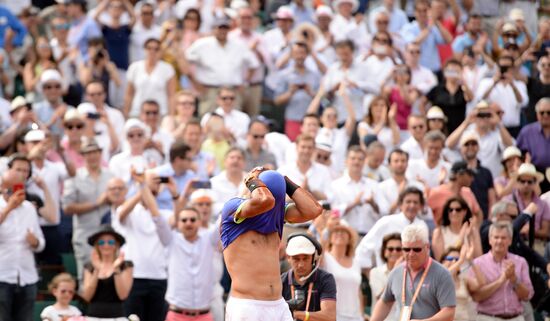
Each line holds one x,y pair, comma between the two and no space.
429,55
398,19
302,15
465,40
164,198
9,21
44,111
296,107
81,31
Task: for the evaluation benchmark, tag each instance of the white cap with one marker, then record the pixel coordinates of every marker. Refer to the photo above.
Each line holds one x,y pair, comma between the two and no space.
468,137
527,169
86,108
323,143
324,11
516,14
136,123
354,3
435,113
35,135
50,75
284,12
509,152
202,194
72,114
18,102
300,245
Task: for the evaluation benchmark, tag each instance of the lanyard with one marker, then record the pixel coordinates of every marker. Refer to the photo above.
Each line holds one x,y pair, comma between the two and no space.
417,292
309,290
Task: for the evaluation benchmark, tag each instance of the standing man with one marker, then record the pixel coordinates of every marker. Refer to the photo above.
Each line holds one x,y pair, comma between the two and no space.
422,288
251,231
503,277
432,170
256,154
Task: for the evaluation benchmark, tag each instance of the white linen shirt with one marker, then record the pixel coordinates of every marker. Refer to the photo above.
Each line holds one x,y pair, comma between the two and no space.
343,192
389,190
218,65
53,175
318,176
418,167
504,96
372,242
17,265
412,147
191,269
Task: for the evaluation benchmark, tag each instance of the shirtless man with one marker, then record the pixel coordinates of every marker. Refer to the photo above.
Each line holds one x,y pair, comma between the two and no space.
251,231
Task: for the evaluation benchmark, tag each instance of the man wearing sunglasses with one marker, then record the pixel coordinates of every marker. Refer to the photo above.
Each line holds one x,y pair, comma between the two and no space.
51,109
421,287
533,139
256,154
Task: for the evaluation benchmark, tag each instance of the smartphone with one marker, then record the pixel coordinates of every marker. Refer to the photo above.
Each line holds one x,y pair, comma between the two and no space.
201,184
504,69
93,116
164,179
18,187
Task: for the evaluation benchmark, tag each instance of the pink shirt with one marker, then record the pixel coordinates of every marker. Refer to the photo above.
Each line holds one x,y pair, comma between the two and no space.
504,301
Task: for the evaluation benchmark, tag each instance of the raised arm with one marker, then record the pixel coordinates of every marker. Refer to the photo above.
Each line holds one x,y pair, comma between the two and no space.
261,200
305,207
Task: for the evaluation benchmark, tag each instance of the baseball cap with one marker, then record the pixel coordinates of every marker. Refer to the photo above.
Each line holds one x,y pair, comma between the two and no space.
300,245
468,137
17,103
201,195
461,167
51,75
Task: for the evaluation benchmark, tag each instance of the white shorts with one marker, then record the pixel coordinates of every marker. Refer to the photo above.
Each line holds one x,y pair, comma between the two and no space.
254,310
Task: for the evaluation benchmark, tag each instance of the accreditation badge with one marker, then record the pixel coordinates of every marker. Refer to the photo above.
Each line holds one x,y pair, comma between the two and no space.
405,314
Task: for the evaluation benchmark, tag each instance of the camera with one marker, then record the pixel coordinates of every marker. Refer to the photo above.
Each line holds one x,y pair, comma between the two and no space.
164,179
298,303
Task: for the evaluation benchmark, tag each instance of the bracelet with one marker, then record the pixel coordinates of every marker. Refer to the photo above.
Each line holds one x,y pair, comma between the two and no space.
307,316
254,184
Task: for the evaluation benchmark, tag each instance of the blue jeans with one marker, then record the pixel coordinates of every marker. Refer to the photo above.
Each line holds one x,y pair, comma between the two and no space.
146,300
17,302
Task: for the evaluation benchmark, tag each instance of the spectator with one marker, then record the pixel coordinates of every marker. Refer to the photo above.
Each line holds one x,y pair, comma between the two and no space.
482,185
173,53
460,179
230,181
218,138
511,160
436,119
150,78
73,125
302,12
85,199
220,62
428,34
356,197
344,26
305,277
422,78
380,121
83,28
512,278
310,175
51,109
191,267
432,170
107,277
184,109
178,172
255,154
66,62
458,227
159,141
99,127
440,302
140,219
508,92
402,94
192,22
202,200
525,193
392,255
382,21
20,237
95,93
42,59
473,35
379,63
417,127
204,164
396,17
374,167
451,95
298,85
492,136
411,202
63,288
341,263
116,195
13,24
538,87
533,139
144,28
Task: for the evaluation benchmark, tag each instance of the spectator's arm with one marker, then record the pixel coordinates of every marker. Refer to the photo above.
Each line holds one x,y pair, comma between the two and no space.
487,289
320,64
113,73
20,31
438,244
48,211
30,79
315,103
99,10
454,137
327,313
349,125
128,206
171,93
445,34
285,97
130,10
130,91
381,310
507,139
123,282
89,284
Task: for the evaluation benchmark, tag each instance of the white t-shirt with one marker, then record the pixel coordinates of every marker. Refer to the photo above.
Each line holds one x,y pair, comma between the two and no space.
348,284
149,86
418,167
53,314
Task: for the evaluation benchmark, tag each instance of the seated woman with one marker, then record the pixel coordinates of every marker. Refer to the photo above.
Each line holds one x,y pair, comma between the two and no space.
457,226
378,277
108,277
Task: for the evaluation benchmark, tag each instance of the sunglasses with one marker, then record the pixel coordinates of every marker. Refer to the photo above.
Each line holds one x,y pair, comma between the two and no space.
381,40
470,144
544,112
191,219
258,136
48,87
451,258
62,26
229,98
71,127
147,13
138,135
393,249
108,242
66,291
528,182
100,93
203,204
484,115
186,103
323,157
414,249
414,52
152,112
455,209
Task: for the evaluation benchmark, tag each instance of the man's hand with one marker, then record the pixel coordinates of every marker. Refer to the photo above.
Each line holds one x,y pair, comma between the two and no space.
15,200
31,239
253,174
510,271
172,187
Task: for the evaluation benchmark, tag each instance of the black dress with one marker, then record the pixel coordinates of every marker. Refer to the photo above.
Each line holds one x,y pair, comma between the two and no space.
105,303
454,106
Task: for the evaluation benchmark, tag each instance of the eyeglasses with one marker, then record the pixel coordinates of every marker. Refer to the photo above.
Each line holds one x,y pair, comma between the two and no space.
108,242
99,93
191,219
383,22
544,112
545,65
66,291
258,136
116,188
152,112
393,249
229,98
138,135
48,87
526,181
451,258
470,144
414,52
62,26
414,249
323,157
71,127
455,209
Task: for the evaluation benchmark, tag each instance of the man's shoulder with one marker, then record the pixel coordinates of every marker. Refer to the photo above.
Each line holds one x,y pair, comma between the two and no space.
231,206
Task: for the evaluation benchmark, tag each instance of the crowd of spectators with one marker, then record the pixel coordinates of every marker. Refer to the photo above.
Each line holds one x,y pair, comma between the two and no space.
126,125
